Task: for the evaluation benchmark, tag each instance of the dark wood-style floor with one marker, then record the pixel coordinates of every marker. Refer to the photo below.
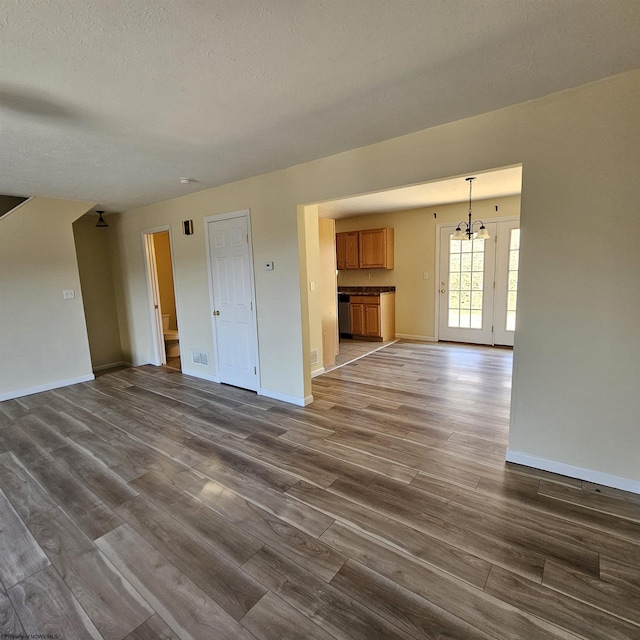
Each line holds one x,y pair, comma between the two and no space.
146,504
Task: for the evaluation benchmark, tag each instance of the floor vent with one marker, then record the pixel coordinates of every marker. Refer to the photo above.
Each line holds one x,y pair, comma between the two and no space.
200,357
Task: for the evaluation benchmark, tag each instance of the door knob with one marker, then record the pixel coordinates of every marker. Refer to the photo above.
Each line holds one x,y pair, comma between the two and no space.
443,291
216,313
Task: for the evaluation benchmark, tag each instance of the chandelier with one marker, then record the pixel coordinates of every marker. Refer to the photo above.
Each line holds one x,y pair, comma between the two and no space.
469,233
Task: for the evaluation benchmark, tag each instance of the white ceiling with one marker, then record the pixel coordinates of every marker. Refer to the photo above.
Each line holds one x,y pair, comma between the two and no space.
113,100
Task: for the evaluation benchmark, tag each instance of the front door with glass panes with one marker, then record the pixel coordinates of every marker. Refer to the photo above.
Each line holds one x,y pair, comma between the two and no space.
478,285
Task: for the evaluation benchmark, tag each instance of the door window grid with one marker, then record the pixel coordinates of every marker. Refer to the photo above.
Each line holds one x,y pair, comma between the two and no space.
512,279
466,283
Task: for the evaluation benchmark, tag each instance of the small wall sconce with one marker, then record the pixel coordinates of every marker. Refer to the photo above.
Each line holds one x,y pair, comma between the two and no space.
187,227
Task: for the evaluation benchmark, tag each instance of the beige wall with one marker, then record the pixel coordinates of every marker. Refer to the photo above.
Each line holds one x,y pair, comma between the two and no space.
576,373
43,338
415,254
98,296
575,399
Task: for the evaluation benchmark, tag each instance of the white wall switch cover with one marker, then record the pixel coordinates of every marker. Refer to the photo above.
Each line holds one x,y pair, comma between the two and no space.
68,294
268,266
425,275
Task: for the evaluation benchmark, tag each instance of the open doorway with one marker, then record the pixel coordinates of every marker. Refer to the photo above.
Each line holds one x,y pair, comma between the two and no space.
162,298
411,218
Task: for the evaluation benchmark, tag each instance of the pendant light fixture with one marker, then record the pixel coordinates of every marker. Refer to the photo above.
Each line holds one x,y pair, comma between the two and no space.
101,221
468,233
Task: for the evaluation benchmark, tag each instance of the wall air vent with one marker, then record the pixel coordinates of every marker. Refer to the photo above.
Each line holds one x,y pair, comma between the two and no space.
200,357
314,356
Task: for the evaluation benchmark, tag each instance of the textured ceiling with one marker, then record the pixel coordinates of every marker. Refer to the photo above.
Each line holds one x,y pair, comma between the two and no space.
113,100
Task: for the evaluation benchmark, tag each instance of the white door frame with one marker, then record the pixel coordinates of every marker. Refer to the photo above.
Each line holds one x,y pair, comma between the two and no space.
243,213
153,292
436,292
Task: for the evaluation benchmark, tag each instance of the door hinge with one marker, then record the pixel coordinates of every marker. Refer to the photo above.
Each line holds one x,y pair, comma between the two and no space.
255,371
251,306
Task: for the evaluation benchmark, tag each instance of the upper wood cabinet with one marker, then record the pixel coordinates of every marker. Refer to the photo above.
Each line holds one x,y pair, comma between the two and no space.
347,250
367,249
376,248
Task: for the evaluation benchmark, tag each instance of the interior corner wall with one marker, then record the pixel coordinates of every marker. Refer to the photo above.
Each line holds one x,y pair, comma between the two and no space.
415,255
98,296
576,373
43,337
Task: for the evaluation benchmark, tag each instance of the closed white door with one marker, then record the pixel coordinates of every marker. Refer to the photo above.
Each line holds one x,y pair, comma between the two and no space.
478,285
232,288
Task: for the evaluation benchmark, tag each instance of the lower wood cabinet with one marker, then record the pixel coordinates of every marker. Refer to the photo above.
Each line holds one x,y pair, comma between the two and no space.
373,317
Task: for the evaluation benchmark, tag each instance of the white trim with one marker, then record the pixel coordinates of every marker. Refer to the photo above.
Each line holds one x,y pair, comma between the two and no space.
318,372
276,395
111,365
408,336
10,395
242,213
197,374
597,477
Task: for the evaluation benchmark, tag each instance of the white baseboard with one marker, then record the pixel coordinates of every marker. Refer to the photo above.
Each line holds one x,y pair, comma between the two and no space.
111,365
194,373
409,336
597,477
45,387
276,395
317,372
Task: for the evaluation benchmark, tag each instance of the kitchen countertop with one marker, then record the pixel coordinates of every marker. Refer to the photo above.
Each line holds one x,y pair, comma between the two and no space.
365,291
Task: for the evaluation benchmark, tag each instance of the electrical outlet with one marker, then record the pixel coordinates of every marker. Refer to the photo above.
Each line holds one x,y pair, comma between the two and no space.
68,294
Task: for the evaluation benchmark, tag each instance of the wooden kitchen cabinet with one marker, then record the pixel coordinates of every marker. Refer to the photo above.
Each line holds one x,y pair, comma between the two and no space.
373,317
376,248
367,249
347,250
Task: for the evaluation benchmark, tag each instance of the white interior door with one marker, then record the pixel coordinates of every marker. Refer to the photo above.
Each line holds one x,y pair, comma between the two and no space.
232,293
478,285
466,287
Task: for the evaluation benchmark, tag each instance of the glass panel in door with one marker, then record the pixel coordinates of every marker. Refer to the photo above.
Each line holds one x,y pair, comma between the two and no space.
507,263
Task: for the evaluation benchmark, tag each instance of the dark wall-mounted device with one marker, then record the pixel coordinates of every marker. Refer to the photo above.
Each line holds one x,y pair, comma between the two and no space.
187,227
